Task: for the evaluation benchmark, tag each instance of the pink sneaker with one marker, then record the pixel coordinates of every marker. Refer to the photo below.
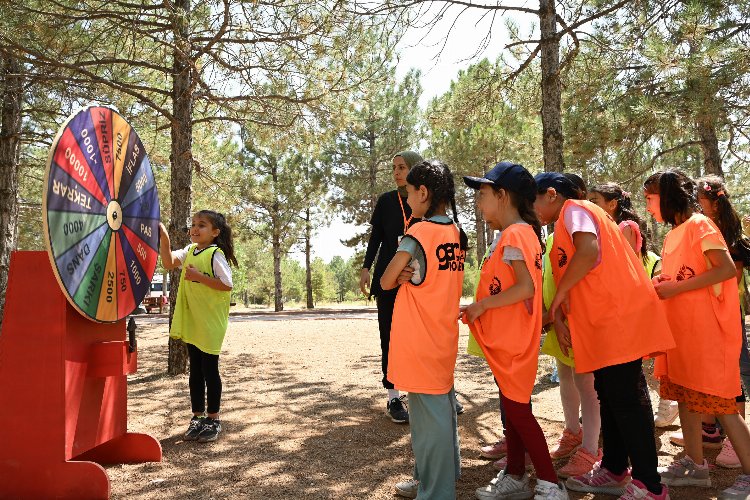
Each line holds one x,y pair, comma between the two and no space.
503,462
494,451
600,480
636,490
727,458
580,463
567,444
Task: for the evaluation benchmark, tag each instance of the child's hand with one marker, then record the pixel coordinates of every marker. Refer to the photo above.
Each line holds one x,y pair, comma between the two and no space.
472,311
659,278
667,289
561,299
192,274
405,275
563,335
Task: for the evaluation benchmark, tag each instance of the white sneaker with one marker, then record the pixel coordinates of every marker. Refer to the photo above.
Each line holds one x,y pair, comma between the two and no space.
506,487
666,414
408,488
549,491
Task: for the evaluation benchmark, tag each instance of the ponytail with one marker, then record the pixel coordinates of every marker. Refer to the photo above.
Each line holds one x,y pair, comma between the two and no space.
224,241
624,209
676,194
712,187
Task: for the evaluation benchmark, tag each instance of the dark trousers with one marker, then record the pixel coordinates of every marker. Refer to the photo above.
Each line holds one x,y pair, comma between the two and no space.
385,302
204,377
627,423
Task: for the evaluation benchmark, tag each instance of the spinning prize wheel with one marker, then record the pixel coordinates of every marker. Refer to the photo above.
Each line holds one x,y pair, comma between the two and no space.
101,214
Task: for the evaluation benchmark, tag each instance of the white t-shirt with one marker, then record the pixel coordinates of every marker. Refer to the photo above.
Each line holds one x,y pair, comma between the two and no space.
510,253
579,220
220,265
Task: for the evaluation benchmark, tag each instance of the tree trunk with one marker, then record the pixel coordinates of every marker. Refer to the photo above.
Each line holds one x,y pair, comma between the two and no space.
706,127
308,267
181,159
372,164
552,134
479,224
278,301
10,136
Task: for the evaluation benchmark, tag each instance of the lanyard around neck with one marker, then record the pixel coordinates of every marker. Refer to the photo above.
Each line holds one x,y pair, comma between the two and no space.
403,212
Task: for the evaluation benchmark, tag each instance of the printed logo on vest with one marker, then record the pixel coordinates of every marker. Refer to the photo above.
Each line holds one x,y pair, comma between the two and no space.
538,261
450,256
495,287
562,257
685,273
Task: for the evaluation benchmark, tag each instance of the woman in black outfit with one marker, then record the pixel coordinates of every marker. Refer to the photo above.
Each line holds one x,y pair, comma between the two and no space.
390,220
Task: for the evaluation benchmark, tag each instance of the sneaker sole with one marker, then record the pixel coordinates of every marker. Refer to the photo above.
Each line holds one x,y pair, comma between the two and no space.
521,495
405,494
574,485
190,438
665,422
208,440
686,481
706,445
558,457
725,465
395,420
488,456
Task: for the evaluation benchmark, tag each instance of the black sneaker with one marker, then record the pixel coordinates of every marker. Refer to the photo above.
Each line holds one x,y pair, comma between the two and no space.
194,428
397,411
459,408
210,431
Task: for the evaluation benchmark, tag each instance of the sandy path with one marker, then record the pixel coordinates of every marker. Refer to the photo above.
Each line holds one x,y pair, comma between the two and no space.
303,416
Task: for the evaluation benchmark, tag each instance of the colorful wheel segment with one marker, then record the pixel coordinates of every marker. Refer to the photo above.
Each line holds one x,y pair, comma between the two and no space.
101,214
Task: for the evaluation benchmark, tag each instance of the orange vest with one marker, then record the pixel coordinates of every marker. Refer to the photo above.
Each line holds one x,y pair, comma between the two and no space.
615,315
424,329
706,326
509,336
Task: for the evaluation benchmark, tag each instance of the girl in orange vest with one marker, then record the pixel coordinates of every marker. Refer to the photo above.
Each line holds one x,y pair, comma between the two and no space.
614,320
506,321
617,203
429,266
699,290
713,197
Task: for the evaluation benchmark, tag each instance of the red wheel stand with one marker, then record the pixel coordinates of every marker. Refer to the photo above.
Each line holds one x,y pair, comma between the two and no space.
63,392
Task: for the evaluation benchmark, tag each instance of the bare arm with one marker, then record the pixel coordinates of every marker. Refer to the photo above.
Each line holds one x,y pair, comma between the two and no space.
582,262
192,274
722,269
389,280
629,234
165,250
522,289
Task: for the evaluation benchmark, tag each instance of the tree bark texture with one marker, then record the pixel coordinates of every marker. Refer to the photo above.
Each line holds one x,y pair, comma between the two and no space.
181,158
552,134
308,266
11,89
706,128
278,298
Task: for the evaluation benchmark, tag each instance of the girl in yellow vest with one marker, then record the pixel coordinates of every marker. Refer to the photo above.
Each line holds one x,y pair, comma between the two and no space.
614,319
201,313
429,266
506,321
698,287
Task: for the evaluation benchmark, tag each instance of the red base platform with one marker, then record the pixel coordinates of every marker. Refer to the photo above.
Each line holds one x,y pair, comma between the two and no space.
63,391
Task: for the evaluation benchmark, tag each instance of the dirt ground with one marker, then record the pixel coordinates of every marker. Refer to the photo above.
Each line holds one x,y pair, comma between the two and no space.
303,416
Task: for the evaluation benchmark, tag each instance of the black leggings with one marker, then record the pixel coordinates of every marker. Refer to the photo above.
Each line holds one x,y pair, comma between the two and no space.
204,374
386,300
627,422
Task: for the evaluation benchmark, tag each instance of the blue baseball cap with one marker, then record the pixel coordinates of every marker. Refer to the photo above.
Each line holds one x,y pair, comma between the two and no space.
507,175
560,182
